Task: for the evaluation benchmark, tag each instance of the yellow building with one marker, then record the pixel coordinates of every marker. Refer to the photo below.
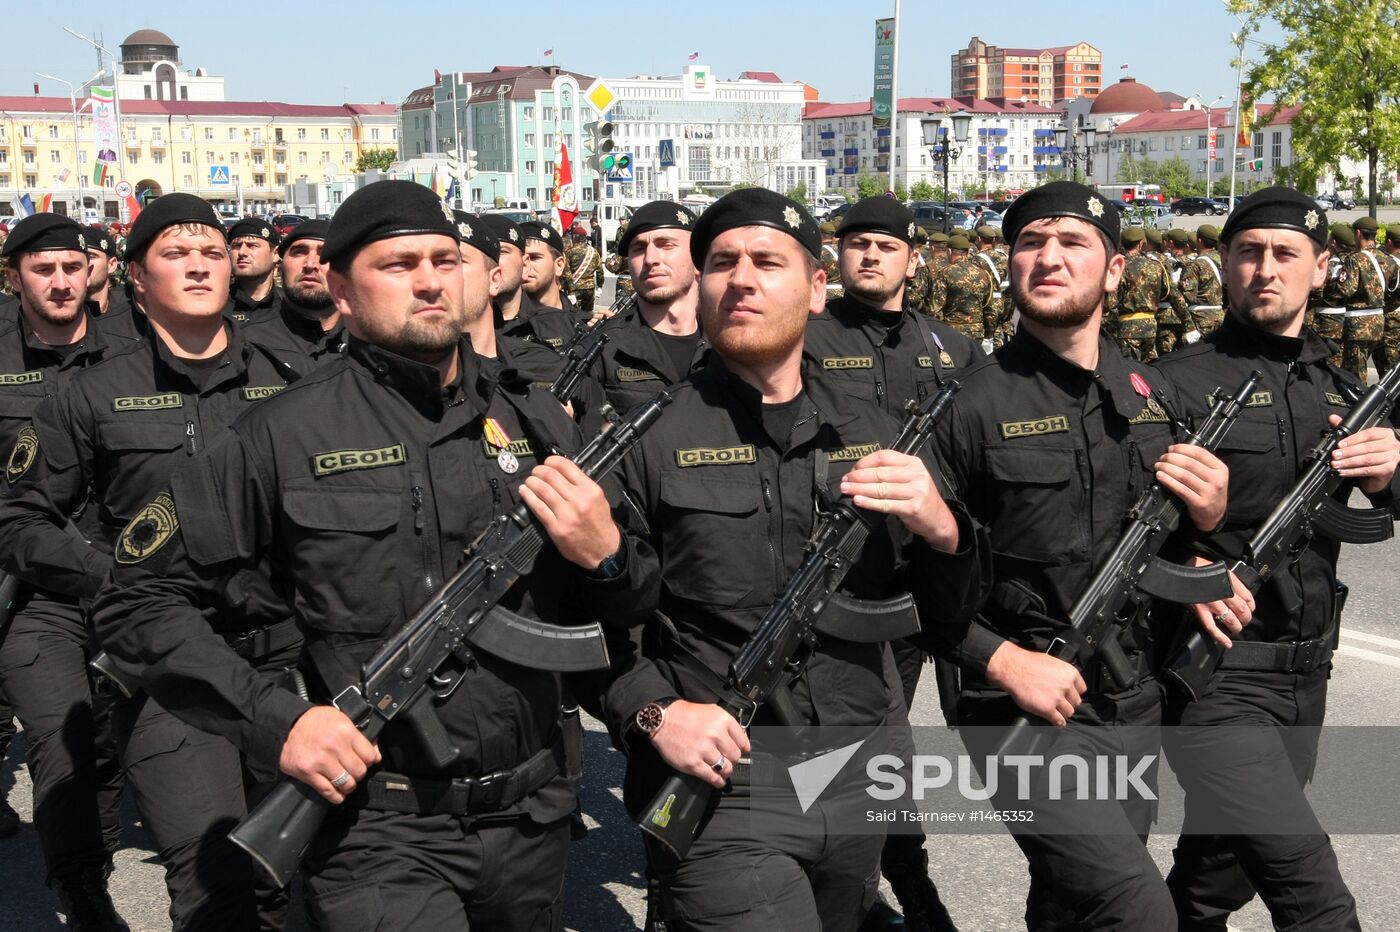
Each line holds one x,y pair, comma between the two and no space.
178,134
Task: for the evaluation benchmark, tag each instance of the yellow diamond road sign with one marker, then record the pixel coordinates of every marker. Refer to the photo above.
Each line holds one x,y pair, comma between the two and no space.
601,97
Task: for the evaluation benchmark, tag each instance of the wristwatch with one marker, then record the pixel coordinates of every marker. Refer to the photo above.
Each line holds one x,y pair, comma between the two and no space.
652,716
612,566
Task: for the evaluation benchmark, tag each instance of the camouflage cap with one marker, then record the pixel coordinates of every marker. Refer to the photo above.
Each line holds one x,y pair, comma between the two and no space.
828,228
985,232
1344,236
1133,235
1154,236
939,239
1209,233
1366,225
1179,236
959,242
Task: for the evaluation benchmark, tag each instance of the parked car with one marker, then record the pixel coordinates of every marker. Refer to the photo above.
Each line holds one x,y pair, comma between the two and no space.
1338,201
1145,214
929,215
1198,205
283,223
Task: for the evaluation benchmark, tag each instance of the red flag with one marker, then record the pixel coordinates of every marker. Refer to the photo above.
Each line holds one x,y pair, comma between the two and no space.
133,207
565,196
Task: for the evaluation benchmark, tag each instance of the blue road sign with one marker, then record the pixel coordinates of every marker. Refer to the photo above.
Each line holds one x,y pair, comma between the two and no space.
666,153
218,174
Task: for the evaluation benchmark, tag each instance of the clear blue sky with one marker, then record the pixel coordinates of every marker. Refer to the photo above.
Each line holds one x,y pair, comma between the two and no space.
365,52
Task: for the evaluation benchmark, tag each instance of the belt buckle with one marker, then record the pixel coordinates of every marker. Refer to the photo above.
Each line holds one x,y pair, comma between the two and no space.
484,794
1305,656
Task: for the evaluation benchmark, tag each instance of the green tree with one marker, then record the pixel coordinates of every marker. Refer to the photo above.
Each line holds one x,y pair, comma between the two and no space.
868,185
1337,62
900,193
798,192
924,191
371,159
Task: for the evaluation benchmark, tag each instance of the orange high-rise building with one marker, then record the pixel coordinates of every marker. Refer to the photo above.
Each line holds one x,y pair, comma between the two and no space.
1041,76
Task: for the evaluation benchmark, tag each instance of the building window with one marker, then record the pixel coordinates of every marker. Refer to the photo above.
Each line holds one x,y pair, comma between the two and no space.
325,134
549,140
257,158
350,157
699,158
1170,143
54,156
208,134
1258,145
527,112
232,134
259,180
301,130
158,157
31,181
186,158
1276,149
185,134
530,140
133,156
189,181
529,166
374,133
1202,142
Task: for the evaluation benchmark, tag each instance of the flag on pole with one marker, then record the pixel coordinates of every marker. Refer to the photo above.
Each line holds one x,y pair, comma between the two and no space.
46,204
133,208
1246,134
548,53
1255,165
25,206
63,175
565,195
100,173
1123,67
693,56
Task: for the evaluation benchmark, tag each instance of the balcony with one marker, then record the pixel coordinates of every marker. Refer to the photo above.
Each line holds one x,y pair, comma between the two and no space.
1043,132
850,151
826,153
1046,150
157,145
827,135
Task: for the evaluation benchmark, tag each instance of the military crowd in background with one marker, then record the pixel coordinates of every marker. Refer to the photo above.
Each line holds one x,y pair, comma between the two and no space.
240,459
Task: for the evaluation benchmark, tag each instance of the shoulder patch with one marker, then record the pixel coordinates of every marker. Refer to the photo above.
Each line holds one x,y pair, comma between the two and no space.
148,531
1149,416
1336,400
853,452
625,374
848,362
1053,424
22,378
147,402
334,461
259,392
717,456
517,447
25,451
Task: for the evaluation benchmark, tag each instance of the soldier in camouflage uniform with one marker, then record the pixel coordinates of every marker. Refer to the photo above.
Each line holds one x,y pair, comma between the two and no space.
1325,313
998,312
581,267
918,286
1361,286
1392,299
617,264
830,261
1144,286
1200,288
1172,316
938,259
962,292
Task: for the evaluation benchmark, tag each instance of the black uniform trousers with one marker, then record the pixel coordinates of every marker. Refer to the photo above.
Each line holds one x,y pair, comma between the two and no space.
1105,879
395,872
191,790
1255,771
66,717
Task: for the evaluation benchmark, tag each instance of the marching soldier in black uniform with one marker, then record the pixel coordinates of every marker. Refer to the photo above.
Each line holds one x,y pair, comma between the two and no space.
660,342
1049,444
114,436
109,300
306,330
395,457
726,483
45,647
253,294
872,345
535,253
1275,675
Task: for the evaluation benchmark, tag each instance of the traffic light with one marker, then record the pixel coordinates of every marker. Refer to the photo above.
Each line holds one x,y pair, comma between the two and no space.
469,164
621,164
601,145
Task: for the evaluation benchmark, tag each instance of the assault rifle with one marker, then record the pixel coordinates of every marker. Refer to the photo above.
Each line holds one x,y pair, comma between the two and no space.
426,658
1133,568
780,646
1307,509
583,348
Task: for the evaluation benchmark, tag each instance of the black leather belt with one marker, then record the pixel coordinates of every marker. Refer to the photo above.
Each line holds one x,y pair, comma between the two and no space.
1294,657
480,795
260,642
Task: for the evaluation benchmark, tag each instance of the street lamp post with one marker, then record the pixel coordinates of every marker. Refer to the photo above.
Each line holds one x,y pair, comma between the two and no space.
73,110
941,151
116,102
1071,153
1210,159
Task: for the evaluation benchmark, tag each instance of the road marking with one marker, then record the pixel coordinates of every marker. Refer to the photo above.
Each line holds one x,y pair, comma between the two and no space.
1380,640
1372,655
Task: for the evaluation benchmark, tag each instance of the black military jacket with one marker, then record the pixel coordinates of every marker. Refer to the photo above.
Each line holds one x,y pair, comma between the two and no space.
115,436
295,337
1048,457
360,487
634,365
1265,451
540,323
243,310
885,357
728,508
31,371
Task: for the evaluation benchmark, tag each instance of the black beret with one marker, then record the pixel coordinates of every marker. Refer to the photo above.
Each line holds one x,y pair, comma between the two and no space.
1061,199
44,231
657,215
168,210
99,240
383,210
1276,208
307,229
477,234
252,226
754,207
879,214
543,232
506,230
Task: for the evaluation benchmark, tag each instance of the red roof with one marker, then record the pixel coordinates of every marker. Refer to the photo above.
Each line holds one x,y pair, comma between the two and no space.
823,110
767,77
263,108
1170,120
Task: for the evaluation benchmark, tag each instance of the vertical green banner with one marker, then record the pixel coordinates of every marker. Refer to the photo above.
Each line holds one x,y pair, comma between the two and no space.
884,73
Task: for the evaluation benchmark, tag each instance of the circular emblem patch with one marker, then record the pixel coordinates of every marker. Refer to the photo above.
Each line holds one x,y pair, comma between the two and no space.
24,453
148,531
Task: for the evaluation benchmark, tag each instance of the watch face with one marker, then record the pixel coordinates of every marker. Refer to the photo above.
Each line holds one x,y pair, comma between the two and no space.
649,718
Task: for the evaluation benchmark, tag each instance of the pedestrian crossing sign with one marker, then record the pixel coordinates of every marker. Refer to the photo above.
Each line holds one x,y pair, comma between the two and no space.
218,174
